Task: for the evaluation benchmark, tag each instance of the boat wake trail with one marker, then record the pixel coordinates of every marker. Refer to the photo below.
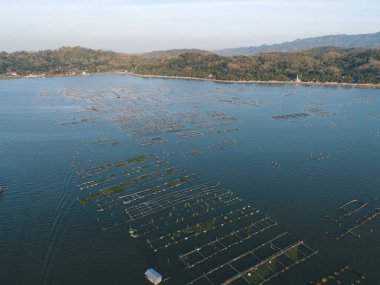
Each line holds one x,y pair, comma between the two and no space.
60,209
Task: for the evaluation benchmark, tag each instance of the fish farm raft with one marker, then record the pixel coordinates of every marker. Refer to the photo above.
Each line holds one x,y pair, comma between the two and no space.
147,182
190,224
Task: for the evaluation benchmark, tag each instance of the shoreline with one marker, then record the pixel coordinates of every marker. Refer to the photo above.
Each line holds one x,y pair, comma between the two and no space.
60,75
271,82
261,82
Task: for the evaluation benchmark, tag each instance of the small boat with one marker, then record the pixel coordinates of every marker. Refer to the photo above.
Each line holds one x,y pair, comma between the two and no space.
275,164
153,276
1,190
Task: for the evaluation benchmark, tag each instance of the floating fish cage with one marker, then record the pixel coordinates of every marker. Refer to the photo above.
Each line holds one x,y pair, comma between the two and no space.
319,157
318,112
114,199
353,216
111,142
194,152
150,119
150,141
189,222
259,265
194,225
291,116
220,244
344,275
111,194
99,169
201,228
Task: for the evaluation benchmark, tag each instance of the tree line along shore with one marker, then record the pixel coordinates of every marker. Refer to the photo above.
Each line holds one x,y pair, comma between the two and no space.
326,65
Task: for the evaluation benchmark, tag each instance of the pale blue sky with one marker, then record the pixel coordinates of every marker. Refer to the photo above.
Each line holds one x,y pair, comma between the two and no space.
145,25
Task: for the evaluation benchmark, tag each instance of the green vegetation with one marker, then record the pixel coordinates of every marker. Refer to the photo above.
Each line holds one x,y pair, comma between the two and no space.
169,170
171,183
84,200
119,188
136,159
172,53
117,164
317,65
61,61
122,187
264,271
253,278
292,253
185,179
196,229
325,64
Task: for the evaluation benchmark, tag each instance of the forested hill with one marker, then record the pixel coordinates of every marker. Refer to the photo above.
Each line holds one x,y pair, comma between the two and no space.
61,61
322,64
173,52
69,60
342,41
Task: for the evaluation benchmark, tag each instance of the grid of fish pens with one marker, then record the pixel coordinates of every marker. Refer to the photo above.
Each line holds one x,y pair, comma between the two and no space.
182,215
259,265
291,116
177,207
98,169
200,228
345,275
220,244
156,127
121,193
353,216
191,223
149,119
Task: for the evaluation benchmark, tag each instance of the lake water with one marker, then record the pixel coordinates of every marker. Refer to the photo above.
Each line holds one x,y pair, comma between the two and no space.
296,170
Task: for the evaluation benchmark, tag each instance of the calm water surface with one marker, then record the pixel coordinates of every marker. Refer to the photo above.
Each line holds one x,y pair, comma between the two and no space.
47,237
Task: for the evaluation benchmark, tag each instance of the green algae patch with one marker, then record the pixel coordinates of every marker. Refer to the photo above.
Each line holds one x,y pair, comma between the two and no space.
292,253
196,229
169,170
261,273
136,159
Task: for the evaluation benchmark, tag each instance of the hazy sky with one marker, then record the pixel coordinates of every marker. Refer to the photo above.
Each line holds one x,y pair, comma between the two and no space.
145,25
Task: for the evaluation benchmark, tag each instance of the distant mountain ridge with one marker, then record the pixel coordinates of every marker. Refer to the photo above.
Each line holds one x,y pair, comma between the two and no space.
342,41
173,52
